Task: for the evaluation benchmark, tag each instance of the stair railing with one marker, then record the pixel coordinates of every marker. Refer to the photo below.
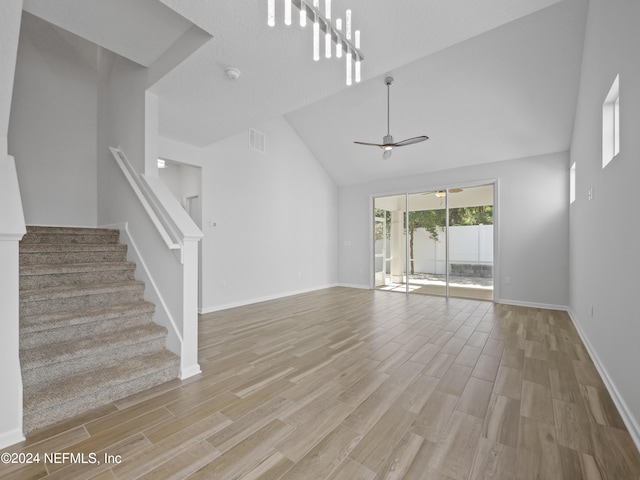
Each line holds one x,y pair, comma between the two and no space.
181,235
172,222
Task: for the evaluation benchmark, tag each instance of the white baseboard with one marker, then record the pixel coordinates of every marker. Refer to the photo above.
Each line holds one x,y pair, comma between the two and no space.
11,438
353,285
518,303
251,301
628,418
192,371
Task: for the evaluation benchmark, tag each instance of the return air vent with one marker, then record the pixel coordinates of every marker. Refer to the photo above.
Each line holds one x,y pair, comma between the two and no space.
257,141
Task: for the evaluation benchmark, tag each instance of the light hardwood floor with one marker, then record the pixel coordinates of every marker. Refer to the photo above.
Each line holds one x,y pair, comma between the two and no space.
356,384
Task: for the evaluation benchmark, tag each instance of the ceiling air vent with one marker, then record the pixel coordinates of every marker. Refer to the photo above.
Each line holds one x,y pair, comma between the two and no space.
257,141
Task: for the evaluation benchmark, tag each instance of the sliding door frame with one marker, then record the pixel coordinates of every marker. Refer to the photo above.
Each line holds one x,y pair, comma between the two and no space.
495,182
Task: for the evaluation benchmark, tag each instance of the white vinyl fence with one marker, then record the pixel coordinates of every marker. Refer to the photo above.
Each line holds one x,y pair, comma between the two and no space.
469,246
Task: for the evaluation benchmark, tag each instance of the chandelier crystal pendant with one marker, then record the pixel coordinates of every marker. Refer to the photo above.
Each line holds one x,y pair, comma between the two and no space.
346,41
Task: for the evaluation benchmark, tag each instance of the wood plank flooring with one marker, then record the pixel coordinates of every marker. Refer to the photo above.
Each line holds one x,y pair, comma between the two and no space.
356,384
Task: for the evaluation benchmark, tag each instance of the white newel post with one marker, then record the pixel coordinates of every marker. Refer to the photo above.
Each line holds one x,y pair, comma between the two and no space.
12,229
189,364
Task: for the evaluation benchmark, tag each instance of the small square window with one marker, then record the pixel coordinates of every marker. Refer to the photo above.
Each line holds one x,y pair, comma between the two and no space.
611,123
572,183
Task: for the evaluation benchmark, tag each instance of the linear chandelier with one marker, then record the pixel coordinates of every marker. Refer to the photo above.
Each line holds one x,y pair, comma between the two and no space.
334,34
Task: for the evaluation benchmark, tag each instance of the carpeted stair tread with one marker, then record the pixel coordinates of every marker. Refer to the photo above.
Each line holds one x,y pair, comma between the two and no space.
76,247
44,276
49,269
69,396
54,328
70,235
57,254
31,229
36,323
63,351
51,293
87,336
73,297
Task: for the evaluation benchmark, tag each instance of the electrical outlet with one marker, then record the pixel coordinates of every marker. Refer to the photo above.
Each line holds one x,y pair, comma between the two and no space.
507,280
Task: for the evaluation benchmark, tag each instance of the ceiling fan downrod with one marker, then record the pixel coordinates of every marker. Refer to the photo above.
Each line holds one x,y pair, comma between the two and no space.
387,141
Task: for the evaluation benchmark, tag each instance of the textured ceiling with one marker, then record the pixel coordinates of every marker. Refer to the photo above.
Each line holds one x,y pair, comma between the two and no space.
199,105
487,81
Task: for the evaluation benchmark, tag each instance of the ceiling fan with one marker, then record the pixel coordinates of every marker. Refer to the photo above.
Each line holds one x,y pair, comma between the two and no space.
443,193
387,141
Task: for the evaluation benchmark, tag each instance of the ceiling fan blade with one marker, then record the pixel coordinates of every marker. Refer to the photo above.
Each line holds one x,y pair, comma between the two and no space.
370,144
411,141
387,141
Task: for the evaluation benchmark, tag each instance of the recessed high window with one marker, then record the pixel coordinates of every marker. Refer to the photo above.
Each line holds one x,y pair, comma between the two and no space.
611,123
572,183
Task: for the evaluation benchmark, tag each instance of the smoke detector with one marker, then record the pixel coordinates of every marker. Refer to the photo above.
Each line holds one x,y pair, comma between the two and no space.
232,73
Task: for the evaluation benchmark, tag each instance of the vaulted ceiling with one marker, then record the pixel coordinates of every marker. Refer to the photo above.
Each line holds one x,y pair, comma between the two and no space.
486,81
507,93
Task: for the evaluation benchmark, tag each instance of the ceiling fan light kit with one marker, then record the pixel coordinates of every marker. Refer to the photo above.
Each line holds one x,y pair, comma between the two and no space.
387,141
344,40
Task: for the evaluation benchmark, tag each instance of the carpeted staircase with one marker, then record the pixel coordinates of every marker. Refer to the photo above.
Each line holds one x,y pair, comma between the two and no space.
87,336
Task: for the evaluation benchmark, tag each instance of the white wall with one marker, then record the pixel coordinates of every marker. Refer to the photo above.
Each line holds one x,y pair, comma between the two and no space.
533,226
185,181
604,271
10,15
171,178
121,112
275,216
52,133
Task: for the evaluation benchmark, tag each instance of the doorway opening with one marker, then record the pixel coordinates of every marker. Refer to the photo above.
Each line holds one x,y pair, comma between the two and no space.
437,242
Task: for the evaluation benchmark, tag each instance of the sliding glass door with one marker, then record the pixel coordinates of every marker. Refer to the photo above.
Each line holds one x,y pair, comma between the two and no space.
470,266
436,242
389,242
427,242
